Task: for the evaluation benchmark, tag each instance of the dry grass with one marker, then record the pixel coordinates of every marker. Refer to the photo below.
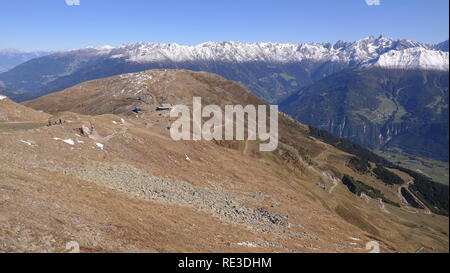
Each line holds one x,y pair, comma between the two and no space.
39,201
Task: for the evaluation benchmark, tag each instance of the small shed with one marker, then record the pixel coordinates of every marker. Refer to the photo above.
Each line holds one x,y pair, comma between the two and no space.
164,106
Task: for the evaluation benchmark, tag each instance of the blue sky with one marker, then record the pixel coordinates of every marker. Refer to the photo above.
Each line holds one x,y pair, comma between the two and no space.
53,25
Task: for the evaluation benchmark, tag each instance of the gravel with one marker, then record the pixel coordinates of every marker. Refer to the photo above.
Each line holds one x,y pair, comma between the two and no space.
226,205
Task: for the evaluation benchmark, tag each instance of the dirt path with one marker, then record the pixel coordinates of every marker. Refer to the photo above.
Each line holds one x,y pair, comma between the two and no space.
335,184
95,136
330,177
20,125
382,206
403,199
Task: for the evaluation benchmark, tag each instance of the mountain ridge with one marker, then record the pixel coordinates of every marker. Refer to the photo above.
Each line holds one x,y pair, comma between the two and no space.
361,51
272,71
10,57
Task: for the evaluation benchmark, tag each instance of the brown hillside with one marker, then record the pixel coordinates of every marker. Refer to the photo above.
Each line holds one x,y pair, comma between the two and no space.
14,112
130,187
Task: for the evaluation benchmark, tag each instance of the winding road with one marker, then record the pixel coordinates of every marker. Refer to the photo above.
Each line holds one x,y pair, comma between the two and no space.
426,209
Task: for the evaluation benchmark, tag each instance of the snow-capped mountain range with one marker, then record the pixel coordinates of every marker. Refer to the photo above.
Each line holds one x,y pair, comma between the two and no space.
272,71
370,51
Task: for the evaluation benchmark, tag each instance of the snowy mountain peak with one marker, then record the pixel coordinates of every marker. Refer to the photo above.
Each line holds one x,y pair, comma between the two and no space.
414,58
367,51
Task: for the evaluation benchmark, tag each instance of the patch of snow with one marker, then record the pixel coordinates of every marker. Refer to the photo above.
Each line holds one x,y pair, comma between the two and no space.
101,146
68,141
29,143
354,239
102,50
2,97
414,58
187,157
247,244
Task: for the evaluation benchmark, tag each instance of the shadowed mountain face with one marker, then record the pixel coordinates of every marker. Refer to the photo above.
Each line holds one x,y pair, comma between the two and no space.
269,81
442,46
10,58
13,95
380,109
38,72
